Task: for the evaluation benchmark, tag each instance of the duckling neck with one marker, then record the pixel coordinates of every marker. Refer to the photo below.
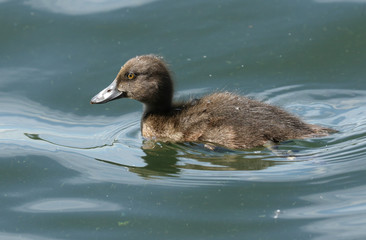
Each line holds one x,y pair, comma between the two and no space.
153,108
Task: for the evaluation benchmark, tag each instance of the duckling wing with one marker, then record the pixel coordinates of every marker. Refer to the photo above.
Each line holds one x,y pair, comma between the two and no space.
239,122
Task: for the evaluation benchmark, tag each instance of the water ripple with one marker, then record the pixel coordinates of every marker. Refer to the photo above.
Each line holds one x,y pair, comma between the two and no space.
83,7
114,143
338,213
67,205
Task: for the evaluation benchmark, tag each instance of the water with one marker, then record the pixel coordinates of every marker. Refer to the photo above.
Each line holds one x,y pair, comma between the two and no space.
71,170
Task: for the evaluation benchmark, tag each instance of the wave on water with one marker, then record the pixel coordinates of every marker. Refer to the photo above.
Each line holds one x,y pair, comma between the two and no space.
83,7
112,143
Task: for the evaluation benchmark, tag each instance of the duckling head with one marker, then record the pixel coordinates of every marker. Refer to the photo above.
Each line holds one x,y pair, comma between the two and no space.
143,78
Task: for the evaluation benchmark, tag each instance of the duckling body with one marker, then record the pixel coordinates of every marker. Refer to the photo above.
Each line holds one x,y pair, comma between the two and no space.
222,118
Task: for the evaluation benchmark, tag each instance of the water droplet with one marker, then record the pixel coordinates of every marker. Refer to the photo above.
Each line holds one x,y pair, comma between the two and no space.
277,213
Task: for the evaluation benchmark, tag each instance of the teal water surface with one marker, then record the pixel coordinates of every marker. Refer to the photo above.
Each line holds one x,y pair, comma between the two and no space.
71,170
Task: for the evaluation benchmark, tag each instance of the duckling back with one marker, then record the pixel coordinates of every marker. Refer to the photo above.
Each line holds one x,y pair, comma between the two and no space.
229,120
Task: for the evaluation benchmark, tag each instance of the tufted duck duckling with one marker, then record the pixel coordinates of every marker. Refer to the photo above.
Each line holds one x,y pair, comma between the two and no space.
222,118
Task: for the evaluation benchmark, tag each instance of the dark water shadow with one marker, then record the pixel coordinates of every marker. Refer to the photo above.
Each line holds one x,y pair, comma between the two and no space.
171,159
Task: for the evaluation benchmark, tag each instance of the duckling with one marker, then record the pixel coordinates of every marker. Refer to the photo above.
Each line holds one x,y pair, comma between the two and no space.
223,118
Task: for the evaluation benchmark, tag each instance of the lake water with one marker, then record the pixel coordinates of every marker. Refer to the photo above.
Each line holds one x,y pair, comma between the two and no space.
71,170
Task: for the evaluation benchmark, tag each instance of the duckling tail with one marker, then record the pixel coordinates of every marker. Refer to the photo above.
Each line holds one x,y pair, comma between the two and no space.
319,131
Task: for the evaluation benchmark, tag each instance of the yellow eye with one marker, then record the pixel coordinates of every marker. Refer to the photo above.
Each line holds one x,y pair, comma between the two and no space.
131,76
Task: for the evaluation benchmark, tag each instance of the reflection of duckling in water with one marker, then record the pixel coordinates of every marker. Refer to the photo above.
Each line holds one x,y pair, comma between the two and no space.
222,118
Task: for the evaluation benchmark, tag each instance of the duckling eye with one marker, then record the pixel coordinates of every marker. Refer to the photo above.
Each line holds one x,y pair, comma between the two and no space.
131,76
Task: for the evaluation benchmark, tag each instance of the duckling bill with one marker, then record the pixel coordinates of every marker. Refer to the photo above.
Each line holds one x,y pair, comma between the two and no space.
221,118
